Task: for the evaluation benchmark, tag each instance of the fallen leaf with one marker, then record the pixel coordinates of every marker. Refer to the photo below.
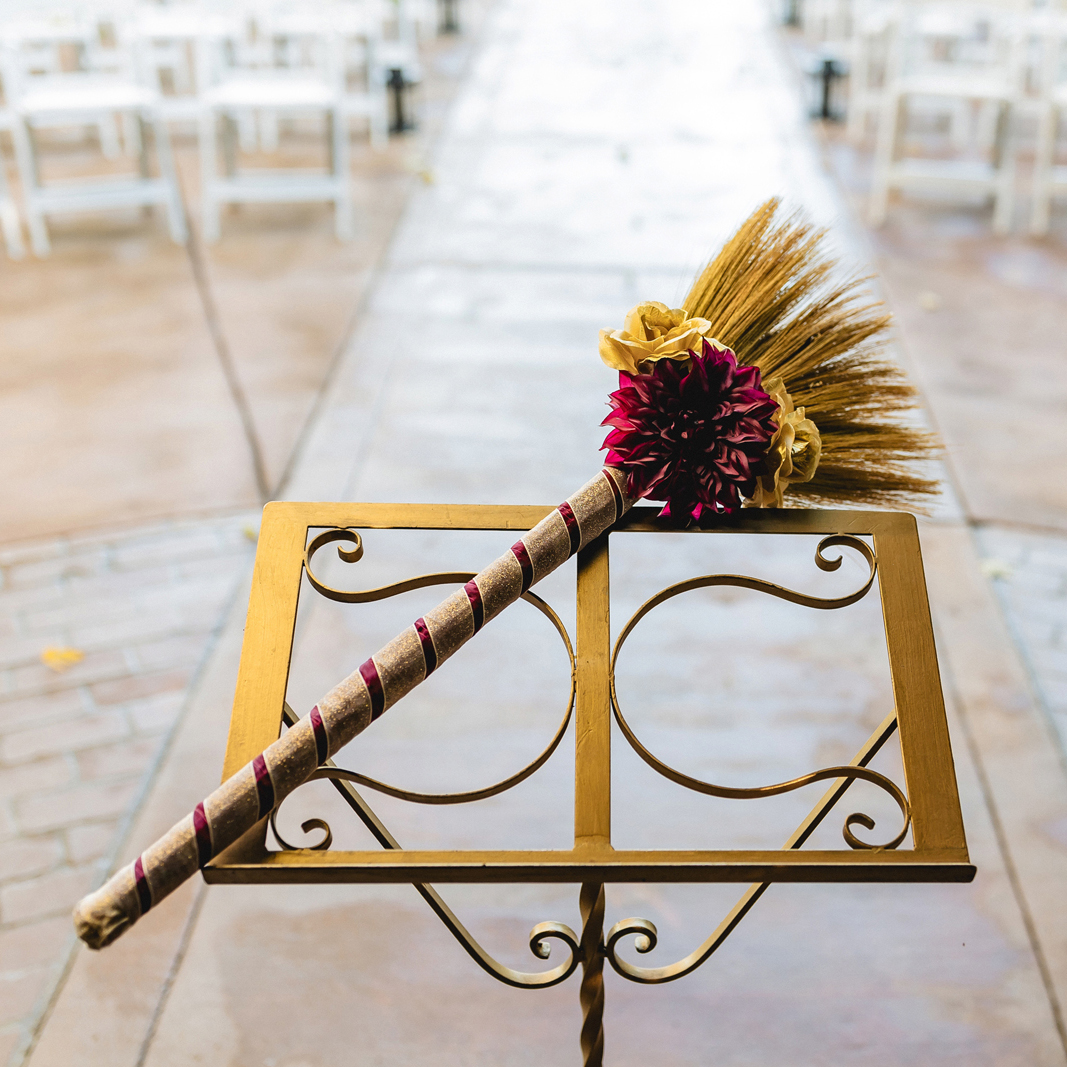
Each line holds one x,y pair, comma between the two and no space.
60,659
996,568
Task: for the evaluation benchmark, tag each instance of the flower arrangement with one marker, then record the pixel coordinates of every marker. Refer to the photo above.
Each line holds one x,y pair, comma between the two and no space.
690,420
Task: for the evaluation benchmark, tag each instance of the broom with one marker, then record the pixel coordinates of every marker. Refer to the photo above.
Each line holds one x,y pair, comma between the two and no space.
807,406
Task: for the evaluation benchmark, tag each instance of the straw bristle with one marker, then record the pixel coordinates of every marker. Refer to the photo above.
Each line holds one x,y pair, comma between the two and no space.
771,296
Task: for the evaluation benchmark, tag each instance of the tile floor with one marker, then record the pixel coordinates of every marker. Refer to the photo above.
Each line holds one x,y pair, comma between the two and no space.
557,203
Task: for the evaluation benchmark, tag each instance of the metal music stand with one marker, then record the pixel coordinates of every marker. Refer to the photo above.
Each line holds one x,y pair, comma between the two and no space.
929,801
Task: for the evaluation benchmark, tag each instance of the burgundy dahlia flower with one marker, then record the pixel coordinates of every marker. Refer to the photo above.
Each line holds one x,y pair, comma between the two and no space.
692,434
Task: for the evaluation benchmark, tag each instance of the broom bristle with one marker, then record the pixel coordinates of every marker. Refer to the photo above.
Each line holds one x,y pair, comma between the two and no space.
771,296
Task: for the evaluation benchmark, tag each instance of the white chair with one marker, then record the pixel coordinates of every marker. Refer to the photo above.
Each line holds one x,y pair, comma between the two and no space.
873,26
48,45
1049,179
10,222
826,22
80,98
309,86
169,43
10,219
363,88
356,30
958,57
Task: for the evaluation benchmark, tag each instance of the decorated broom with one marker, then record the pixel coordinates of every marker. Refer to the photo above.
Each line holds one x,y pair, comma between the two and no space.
769,380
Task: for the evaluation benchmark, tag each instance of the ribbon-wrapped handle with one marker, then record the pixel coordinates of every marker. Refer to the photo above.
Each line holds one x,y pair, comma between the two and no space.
349,708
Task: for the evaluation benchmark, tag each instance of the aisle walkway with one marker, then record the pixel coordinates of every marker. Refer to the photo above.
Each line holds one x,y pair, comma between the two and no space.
596,155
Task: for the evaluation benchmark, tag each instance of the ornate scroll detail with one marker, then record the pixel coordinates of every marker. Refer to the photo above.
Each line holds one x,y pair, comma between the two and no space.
826,774
541,935
354,555
644,932
339,774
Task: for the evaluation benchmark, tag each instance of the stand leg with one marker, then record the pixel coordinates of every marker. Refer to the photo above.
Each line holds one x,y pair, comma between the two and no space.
591,994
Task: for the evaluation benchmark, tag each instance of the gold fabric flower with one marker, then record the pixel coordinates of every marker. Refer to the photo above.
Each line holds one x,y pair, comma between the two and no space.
652,332
793,453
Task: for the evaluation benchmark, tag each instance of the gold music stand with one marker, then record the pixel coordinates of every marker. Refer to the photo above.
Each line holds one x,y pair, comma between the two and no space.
929,801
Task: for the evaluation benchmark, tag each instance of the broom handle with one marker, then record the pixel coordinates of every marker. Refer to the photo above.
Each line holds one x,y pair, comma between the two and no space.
350,707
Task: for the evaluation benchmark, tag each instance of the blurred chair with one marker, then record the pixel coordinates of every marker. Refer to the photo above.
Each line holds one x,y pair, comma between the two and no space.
873,27
1049,179
10,221
52,101
363,78
303,80
169,43
48,44
962,59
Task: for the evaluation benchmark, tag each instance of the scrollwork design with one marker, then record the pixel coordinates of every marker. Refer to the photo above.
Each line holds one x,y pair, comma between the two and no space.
645,932
364,596
307,826
826,774
541,935
354,555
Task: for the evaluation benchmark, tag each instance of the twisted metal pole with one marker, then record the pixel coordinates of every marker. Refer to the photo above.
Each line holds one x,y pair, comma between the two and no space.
591,994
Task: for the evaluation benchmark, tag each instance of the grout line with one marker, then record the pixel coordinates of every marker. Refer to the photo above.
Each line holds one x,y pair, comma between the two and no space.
1009,863
1017,524
195,251
172,974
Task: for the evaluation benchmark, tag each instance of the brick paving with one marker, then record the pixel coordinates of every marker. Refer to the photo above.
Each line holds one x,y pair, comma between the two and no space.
78,746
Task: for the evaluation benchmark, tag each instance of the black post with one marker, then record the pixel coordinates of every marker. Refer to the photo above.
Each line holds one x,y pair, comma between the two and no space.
397,85
448,22
827,73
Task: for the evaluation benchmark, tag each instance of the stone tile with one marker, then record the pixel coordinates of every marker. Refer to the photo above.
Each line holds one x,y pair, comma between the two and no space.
7,821
96,667
48,894
82,732
15,601
124,628
33,551
10,1038
136,686
176,650
127,757
46,707
35,776
33,945
18,994
170,545
155,714
80,803
578,169
29,856
108,604
50,571
86,843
